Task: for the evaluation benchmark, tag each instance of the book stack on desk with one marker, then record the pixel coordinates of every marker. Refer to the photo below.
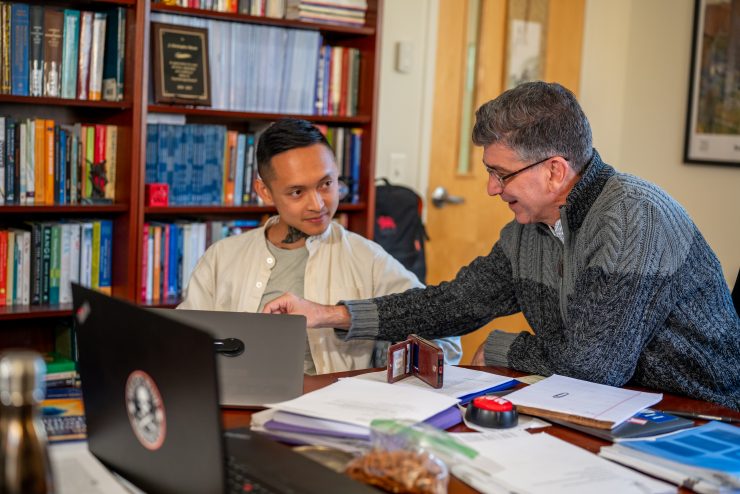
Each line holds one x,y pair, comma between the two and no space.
646,423
705,459
581,402
339,415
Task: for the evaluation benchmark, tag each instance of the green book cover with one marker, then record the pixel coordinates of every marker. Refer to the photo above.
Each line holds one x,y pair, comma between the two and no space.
56,362
70,42
56,264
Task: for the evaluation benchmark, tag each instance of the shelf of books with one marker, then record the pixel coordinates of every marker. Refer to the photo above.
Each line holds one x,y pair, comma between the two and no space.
66,161
83,138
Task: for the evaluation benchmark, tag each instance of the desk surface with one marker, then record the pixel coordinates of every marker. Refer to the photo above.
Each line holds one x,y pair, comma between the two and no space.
242,418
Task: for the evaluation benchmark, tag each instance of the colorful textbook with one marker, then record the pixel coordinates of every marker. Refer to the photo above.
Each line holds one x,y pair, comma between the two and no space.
705,459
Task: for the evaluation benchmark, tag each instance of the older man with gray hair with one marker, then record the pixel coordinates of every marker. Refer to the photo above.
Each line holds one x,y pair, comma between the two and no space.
611,273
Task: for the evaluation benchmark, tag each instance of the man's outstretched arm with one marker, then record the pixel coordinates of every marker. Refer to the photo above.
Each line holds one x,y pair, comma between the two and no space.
317,315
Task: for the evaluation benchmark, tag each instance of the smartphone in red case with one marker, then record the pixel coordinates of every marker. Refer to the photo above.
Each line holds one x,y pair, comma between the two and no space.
416,357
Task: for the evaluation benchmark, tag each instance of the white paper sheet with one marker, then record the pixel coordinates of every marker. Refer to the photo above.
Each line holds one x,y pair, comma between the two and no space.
359,402
539,463
584,399
458,381
77,471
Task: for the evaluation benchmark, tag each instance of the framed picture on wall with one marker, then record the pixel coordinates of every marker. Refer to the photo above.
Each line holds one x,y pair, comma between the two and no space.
713,122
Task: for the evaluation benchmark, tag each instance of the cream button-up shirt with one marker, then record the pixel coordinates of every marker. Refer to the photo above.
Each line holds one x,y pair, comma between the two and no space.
232,276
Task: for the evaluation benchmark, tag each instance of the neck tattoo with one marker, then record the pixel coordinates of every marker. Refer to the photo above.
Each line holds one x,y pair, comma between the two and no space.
294,235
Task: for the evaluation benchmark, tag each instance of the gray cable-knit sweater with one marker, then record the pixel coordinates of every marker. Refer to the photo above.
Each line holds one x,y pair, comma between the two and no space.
633,294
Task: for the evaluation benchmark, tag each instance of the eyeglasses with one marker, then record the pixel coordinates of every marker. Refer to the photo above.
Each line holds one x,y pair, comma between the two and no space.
502,179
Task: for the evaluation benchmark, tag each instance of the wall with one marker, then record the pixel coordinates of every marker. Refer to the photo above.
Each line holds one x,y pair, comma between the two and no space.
405,104
634,89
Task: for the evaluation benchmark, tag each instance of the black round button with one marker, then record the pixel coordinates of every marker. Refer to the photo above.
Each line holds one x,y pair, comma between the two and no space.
493,412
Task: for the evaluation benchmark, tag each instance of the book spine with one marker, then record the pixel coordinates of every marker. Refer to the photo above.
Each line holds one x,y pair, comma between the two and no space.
98,172
19,25
355,158
21,162
106,257
165,260
83,66
115,48
249,169
21,275
96,56
39,138
171,262
46,262
149,264
74,263
95,265
49,154
17,164
10,269
25,243
2,159
5,51
111,152
56,264
241,149
65,289
144,260
89,160
62,167
10,128
70,57
36,258
86,254
73,147
156,262
36,76
53,26
3,266
30,162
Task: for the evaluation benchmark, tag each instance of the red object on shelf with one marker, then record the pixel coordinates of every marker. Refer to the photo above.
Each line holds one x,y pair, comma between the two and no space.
157,194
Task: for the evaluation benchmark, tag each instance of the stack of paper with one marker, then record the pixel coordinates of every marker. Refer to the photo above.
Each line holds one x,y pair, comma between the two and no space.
540,463
345,409
705,459
581,402
459,382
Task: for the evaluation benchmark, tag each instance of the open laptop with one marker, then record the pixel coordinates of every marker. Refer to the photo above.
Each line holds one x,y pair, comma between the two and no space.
150,389
259,356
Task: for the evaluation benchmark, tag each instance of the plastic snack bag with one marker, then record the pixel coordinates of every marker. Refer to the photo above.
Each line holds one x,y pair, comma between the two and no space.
399,461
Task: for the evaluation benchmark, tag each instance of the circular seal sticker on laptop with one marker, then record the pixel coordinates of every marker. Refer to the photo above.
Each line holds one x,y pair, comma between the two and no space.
145,410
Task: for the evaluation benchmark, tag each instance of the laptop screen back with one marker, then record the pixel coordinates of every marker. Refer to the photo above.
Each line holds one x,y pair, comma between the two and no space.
267,366
151,396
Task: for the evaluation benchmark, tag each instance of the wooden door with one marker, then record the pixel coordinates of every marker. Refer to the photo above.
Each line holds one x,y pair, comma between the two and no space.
461,232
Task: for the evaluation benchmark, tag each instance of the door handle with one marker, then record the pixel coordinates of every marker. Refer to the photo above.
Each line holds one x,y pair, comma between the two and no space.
440,197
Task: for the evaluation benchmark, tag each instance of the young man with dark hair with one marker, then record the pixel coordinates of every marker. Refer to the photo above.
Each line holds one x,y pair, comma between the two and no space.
302,251
612,275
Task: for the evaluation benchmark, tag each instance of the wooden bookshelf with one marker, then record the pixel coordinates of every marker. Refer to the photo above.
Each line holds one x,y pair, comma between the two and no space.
265,21
230,210
129,212
236,116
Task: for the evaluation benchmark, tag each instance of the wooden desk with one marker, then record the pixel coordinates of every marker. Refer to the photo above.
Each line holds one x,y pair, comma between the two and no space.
242,418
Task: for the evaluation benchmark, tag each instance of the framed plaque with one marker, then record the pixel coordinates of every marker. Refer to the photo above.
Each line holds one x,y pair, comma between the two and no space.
180,65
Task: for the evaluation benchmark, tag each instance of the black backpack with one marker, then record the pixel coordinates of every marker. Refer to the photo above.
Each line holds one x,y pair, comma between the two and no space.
398,226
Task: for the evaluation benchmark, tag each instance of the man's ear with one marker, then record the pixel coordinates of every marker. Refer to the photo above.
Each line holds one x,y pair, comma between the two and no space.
264,192
558,169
